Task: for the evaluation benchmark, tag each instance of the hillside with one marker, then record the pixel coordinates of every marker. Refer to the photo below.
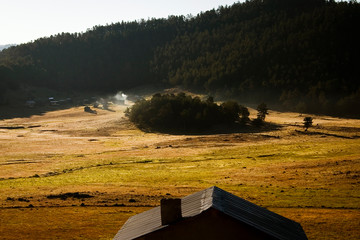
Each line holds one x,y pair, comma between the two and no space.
299,54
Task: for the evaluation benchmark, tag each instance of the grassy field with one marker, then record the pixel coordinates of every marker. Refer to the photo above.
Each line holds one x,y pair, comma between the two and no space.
68,174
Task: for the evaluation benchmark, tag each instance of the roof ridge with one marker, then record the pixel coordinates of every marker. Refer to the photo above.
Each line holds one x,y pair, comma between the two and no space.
231,205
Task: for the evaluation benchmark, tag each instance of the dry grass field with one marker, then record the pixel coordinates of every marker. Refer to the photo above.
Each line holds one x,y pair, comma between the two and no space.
69,174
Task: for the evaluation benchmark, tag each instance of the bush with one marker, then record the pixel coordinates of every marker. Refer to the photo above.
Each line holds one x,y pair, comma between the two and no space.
257,122
308,121
183,113
262,111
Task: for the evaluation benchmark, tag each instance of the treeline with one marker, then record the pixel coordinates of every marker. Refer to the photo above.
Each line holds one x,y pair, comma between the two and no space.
300,53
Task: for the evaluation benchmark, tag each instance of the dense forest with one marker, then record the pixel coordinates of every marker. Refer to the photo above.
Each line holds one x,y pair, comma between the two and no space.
300,54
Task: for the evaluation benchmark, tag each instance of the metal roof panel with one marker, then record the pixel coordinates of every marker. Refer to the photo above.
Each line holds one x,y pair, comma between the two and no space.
231,205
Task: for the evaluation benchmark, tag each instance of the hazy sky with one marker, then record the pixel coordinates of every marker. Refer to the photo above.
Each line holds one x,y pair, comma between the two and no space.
22,21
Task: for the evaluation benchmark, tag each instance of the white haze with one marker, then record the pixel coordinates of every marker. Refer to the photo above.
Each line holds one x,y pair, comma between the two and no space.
120,96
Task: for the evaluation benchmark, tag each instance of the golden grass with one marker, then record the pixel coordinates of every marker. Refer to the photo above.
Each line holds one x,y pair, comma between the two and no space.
63,222
330,223
311,177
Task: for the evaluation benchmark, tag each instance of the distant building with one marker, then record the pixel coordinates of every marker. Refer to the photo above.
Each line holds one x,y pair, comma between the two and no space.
54,103
210,214
30,103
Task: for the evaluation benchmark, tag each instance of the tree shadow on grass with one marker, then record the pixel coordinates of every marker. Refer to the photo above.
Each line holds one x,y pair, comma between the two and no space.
219,129
10,112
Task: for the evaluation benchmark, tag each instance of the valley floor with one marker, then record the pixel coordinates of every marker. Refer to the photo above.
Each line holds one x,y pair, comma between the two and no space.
70,174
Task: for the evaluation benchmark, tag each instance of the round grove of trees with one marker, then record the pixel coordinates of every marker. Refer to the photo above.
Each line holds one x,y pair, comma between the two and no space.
184,113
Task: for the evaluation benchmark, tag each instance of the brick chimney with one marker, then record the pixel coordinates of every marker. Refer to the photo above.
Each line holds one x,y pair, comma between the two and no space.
170,210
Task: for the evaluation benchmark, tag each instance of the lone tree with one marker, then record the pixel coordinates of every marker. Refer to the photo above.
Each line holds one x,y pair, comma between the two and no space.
308,121
262,111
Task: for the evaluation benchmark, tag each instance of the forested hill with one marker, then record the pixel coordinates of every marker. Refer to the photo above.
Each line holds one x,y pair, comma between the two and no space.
303,54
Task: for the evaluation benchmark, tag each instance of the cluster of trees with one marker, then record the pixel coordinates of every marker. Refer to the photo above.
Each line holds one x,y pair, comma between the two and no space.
184,113
300,53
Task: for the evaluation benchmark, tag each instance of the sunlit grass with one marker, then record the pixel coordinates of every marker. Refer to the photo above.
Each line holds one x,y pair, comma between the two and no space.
256,172
291,173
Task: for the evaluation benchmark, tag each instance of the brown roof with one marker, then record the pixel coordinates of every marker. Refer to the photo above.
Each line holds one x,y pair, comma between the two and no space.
244,211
